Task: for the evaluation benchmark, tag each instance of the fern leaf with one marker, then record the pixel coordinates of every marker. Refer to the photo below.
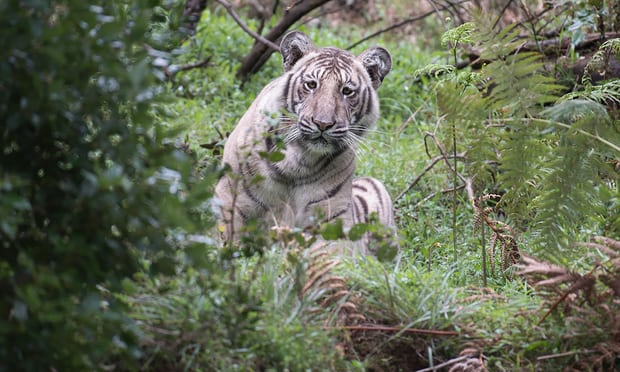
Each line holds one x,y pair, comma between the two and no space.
518,85
493,45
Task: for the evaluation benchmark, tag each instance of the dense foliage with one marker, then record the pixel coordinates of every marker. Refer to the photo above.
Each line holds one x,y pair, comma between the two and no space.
87,185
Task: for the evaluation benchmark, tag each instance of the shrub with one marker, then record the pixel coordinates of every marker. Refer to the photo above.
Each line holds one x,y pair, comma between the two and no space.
86,186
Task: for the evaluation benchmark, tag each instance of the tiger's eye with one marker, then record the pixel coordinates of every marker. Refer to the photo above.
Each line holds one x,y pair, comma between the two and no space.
347,91
311,84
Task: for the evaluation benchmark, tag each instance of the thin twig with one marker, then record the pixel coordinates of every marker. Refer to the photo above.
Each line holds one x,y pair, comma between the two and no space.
446,158
172,70
501,13
380,328
437,10
560,355
569,127
444,364
235,16
433,194
431,163
402,23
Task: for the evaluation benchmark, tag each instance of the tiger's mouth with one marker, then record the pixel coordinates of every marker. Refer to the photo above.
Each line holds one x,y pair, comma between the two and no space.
319,137
323,143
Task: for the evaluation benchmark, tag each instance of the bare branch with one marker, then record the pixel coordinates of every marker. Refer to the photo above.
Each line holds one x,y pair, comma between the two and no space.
259,54
245,28
444,364
172,70
565,354
429,165
162,61
404,22
501,13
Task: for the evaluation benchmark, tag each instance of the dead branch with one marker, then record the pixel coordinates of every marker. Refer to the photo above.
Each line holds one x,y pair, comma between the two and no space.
172,70
192,13
161,60
260,52
444,364
549,48
565,354
582,282
557,275
235,16
564,43
429,165
404,22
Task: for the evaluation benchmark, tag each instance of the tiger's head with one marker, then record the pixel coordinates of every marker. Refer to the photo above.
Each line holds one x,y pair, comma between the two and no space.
331,93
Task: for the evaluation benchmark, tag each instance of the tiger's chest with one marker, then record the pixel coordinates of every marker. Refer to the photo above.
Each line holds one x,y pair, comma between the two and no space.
298,195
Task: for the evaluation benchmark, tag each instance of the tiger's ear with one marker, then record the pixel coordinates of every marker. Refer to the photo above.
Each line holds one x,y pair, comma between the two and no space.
377,62
293,47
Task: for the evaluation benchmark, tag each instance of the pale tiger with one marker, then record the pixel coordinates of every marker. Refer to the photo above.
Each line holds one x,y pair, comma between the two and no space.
315,114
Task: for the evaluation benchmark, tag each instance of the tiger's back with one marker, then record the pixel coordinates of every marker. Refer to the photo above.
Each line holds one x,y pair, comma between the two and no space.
314,115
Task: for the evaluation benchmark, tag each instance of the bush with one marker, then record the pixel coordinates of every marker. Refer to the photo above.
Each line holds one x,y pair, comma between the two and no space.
86,186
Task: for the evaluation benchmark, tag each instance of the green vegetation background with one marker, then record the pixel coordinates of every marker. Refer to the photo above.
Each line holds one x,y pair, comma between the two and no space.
109,258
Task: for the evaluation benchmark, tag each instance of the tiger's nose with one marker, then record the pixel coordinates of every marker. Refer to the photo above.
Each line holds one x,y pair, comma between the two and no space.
323,124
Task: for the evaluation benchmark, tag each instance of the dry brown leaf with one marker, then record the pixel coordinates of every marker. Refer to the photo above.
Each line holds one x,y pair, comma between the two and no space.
533,266
560,279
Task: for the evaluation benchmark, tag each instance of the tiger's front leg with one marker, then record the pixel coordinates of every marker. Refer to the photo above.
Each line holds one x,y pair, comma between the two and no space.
329,210
370,196
227,207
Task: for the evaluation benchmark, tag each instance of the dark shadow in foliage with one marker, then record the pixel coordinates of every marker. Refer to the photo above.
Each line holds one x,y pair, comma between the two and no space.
87,189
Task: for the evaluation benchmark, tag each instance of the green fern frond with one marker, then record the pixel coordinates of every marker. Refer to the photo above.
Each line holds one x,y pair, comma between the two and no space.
518,86
575,110
492,45
522,167
435,70
606,92
569,198
457,102
546,154
463,106
612,45
458,35
588,119
601,59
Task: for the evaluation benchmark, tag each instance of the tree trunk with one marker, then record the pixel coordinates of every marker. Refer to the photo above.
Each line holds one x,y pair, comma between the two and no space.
192,12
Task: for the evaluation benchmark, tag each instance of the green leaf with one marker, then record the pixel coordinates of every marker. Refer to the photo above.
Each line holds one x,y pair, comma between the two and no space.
272,156
387,252
333,230
357,231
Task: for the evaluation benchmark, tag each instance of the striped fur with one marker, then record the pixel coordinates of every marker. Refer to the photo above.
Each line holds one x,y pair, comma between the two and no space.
315,114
